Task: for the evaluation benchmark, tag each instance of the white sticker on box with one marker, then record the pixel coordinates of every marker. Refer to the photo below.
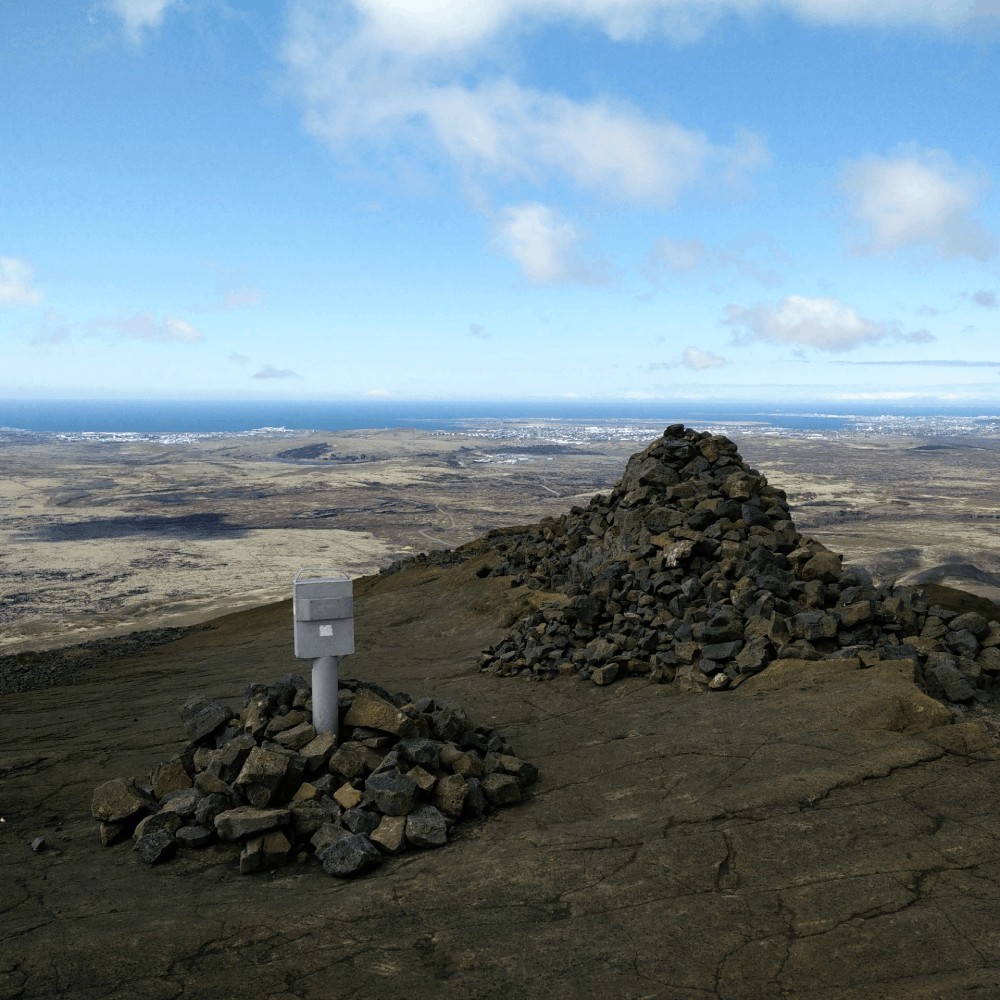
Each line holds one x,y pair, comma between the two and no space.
326,630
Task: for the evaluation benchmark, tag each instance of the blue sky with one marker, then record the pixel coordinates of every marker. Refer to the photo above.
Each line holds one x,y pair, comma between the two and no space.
730,200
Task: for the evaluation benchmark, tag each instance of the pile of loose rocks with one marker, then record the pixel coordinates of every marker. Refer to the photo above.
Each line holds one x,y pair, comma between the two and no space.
691,571
402,774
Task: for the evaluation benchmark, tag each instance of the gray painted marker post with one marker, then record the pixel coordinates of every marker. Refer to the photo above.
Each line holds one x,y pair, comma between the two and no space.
323,609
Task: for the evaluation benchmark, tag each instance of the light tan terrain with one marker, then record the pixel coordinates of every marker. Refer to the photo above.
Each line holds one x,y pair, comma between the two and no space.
101,537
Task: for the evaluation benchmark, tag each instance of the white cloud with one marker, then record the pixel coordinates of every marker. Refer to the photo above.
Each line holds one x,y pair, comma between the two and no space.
479,331
269,371
378,76
138,15
544,244
694,256
700,360
15,282
988,300
142,326
823,324
436,27
918,198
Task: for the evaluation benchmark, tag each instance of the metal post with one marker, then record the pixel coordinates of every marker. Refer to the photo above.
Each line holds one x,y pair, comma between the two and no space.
326,715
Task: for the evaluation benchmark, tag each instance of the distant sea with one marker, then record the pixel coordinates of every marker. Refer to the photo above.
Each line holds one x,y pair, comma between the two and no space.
227,417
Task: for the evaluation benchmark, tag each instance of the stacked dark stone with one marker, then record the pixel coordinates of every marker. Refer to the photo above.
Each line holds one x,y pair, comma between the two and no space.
404,773
691,570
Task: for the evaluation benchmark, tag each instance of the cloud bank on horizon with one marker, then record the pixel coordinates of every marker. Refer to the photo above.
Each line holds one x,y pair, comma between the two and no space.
434,199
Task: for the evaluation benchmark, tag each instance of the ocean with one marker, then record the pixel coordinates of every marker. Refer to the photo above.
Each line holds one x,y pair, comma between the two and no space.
236,417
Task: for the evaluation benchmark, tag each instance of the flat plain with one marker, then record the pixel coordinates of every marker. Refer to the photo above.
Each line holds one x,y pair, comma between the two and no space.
103,535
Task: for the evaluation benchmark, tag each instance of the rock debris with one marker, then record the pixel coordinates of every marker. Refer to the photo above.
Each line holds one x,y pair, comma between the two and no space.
403,774
691,571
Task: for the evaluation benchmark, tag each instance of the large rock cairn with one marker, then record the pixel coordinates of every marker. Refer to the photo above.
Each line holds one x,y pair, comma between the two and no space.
404,773
692,571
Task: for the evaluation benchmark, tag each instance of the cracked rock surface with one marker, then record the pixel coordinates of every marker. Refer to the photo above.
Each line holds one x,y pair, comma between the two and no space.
825,831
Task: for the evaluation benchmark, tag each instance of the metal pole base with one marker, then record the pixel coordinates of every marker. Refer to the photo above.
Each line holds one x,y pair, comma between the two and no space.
326,714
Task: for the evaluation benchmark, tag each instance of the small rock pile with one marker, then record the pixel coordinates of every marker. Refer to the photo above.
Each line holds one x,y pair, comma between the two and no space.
692,571
403,774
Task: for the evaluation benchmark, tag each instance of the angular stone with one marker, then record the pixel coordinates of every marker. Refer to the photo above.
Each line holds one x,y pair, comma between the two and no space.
305,793
989,660
449,795
945,680
393,793
350,856
605,675
251,855
720,681
825,566
502,789
261,775
183,803
327,834
854,614
360,820
521,769
390,835
425,781
740,486
475,800
210,807
194,836
971,620
426,753
307,818
117,800
110,832
201,718
347,796
317,752
963,642
348,761
812,625
282,723
721,650
208,784
425,827
275,850
169,777
600,650
297,737
227,762
369,710
754,656
246,820
156,846
168,821
468,765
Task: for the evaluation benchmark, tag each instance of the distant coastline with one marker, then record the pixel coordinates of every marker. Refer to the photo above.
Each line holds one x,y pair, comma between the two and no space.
110,419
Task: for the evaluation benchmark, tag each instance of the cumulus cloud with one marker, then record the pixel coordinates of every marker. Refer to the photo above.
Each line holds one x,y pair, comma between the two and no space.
269,371
51,331
700,360
919,198
988,300
138,15
440,27
822,324
142,326
691,357
681,257
398,72
15,282
478,330
544,244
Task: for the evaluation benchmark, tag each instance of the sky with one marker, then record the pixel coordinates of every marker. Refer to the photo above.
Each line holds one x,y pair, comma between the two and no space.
773,202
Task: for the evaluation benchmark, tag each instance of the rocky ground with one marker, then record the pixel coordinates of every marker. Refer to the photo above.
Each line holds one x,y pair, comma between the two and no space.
822,829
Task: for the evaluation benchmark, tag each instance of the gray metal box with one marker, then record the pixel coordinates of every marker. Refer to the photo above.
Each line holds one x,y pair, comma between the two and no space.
323,608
